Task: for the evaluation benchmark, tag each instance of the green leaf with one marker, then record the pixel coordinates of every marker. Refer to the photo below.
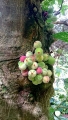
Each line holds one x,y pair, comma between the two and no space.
51,110
64,8
59,2
53,2
62,36
46,3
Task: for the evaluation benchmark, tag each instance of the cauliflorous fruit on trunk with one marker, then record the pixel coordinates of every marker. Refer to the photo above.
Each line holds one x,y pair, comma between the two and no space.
37,44
22,58
32,73
39,58
22,65
25,72
29,53
28,61
34,65
45,57
38,52
49,73
41,64
44,71
39,70
51,60
46,79
33,58
37,80
30,78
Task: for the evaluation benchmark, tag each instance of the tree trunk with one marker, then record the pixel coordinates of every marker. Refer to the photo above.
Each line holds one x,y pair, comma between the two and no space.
20,26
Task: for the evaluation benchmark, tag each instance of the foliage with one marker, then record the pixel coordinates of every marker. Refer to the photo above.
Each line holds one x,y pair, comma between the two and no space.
62,36
64,7
59,102
48,5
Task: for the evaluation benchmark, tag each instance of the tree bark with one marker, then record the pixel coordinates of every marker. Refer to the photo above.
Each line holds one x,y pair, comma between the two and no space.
19,28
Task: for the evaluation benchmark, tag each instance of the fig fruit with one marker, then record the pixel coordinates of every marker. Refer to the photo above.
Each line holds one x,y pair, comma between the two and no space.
49,73
37,80
45,57
46,79
37,44
51,60
32,73
29,53
22,65
38,52
34,65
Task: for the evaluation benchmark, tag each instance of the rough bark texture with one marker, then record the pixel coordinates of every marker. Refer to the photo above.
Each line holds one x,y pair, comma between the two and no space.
18,31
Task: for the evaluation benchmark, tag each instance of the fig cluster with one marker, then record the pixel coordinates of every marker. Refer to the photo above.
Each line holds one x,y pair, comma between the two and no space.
35,65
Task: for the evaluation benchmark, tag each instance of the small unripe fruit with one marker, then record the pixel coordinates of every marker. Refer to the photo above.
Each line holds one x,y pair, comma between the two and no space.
22,65
28,61
45,57
46,79
37,80
44,71
34,65
37,44
29,53
30,78
32,73
38,52
39,58
41,64
51,60
49,73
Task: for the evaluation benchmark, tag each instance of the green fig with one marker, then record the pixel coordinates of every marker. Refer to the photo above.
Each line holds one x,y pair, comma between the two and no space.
45,57
37,80
37,44
51,60
22,65
28,61
29,53
49,73
30,78
39,58
38,52
44,71
32,73
34,65
41,64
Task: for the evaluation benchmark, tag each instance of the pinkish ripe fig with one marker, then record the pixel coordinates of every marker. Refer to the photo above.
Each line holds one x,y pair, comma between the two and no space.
46,79
39,70
25,72
22,58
